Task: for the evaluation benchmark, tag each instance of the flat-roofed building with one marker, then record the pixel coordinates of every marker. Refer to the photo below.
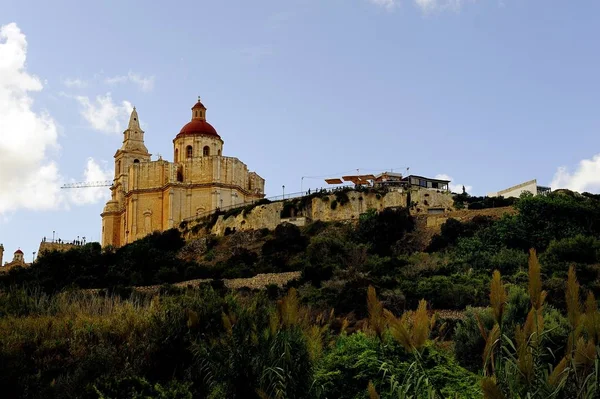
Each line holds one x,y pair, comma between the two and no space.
530,186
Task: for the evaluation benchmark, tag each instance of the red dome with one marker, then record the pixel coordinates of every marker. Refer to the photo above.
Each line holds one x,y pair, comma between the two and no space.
18,251
198,126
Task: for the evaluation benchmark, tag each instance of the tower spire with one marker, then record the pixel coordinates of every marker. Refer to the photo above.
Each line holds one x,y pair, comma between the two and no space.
134,122
133,139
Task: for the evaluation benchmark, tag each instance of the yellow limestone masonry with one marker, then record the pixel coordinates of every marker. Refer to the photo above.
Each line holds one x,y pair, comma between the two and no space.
269,215
148,196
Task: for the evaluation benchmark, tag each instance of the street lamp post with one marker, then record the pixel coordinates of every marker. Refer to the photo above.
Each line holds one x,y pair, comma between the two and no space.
53,235
283,190
33,257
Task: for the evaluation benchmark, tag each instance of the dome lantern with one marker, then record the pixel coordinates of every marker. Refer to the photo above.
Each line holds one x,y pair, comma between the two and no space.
198,125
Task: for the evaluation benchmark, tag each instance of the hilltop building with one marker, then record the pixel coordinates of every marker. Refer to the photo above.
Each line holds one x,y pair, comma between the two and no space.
149,196
18,260
516,191
390,179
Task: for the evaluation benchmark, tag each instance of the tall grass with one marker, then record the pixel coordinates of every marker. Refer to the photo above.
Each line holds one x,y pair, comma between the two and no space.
520,368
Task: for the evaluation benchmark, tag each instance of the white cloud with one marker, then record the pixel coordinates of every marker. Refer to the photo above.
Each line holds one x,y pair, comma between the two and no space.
585,178
28,177
75,83
454,187
103,114
428,6
90,195
144,83
387,4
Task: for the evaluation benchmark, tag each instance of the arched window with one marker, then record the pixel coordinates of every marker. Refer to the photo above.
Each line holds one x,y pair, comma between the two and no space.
206,151
179,174
219,152
189,151
118,168
176,154
136,161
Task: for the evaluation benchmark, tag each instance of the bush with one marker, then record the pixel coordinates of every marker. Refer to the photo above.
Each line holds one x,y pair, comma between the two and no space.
453,229
136,387
287,239
347,369
446,292
468,342
341,197
580,250
382,230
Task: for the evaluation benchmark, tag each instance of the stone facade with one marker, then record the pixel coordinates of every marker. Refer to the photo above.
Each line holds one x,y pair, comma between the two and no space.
18,260
420,201
149,196
47,246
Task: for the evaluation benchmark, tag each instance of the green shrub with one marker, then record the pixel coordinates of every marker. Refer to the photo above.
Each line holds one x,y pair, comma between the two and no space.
468,342
580,250
382,230
347,369
342,197
140,388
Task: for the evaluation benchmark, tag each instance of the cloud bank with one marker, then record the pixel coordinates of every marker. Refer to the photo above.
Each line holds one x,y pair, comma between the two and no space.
29,176
586,176
103,114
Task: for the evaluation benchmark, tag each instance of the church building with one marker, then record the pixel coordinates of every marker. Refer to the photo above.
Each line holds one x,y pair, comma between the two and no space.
149,196
18,260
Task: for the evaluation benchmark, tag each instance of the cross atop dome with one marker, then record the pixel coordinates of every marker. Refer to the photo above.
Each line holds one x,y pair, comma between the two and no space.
196,106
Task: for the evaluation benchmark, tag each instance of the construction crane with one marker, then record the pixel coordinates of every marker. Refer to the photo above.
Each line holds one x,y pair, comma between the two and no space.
86,184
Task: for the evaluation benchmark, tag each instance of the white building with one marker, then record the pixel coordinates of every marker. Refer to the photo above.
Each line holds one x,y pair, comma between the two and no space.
516,191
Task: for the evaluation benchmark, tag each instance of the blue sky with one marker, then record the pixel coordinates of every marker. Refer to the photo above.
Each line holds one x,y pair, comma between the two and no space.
488,92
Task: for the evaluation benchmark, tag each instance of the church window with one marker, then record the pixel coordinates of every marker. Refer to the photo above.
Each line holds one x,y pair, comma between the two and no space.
176,154
206,151
136,161
179,174
219,152
189,151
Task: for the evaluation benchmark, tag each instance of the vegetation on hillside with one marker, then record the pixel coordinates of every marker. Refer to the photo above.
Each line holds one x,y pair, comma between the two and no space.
360,323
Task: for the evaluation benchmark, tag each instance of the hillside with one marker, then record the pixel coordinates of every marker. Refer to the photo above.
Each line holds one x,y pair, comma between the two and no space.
358,321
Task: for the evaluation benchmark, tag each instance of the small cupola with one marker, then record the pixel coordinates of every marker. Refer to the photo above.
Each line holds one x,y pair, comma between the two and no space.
199,111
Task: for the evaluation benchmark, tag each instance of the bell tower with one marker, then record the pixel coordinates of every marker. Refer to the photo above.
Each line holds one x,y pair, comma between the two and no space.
133,149
131,152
